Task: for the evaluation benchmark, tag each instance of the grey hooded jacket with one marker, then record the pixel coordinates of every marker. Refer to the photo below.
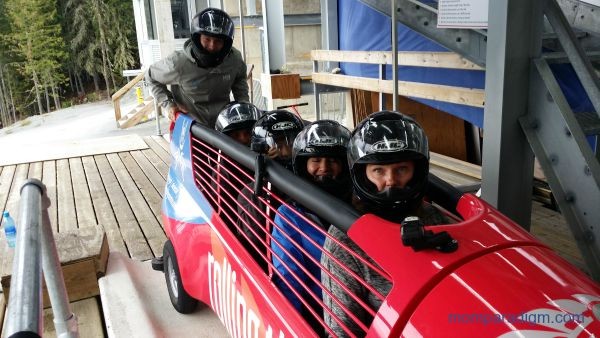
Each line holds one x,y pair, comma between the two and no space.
202,92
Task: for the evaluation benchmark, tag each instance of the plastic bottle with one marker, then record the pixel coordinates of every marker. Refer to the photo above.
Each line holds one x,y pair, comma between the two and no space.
10,230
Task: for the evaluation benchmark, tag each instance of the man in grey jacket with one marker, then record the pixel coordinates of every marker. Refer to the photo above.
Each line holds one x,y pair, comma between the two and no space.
202,74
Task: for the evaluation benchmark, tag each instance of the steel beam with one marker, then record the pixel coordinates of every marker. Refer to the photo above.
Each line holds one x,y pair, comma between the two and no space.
567,160
515,36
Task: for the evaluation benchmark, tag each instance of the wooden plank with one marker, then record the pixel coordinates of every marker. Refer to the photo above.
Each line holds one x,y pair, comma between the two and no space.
66,149
83,255
162,142
157,180
83,202
466,168
2,315
104,211
147,220
128,86
14,196
117,107
157,162
160,151
137,116
458,95
67,217
35,170
416,59
80,279
362,105
148,191
49,180
452,177
134,239
445,132
6,179
89,319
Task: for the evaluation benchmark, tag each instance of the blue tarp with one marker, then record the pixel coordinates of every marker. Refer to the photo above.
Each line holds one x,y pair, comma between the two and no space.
363,28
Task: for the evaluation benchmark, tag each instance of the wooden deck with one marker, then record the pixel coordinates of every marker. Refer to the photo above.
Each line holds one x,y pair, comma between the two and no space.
116,183
122,190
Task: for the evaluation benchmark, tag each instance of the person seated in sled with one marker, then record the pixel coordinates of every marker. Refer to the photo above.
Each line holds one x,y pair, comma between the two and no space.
236,121
273,134
319,156
388,157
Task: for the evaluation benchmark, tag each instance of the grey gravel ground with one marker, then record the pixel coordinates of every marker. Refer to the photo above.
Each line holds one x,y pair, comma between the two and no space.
81,122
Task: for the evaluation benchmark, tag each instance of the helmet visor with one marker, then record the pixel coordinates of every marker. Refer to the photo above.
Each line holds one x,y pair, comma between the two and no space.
388,141
283,143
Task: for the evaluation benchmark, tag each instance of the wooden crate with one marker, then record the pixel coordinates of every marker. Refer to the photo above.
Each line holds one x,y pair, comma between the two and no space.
83,254
281,86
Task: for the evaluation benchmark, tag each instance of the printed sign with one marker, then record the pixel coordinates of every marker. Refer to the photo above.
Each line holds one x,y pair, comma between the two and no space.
463,14
592,2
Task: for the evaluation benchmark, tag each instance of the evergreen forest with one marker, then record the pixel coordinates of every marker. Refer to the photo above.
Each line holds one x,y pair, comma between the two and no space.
56,53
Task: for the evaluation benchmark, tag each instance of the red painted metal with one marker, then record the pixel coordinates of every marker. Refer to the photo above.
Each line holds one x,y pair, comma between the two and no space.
501,282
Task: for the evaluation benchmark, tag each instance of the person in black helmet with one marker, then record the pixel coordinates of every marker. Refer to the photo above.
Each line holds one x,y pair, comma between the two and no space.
203,74
319,156
273,135
236,121
388,157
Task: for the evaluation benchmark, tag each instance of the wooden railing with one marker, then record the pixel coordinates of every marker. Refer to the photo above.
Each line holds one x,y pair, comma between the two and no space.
460,95
116,97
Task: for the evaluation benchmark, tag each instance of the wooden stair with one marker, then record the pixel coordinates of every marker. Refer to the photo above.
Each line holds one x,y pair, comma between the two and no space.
138,114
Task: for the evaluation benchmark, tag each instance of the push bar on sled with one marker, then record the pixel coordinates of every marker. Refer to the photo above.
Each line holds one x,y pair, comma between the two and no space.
330,208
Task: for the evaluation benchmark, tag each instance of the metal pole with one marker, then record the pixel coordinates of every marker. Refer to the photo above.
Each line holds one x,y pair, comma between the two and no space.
65,322
382,76
157,112
24,313
395,54
316,92
242,30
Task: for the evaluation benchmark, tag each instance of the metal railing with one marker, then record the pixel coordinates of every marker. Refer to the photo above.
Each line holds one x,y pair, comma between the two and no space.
35,244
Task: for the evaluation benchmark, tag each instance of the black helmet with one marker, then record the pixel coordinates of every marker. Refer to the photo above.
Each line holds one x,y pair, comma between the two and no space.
388,137
324,138
216,23
273,126
236,116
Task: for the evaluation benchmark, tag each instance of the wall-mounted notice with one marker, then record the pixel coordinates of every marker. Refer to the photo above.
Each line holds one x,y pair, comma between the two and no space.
463,14
592,2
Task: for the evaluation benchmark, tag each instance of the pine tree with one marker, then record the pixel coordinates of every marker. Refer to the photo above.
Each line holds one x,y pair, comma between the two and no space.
100,33
37,39
7,107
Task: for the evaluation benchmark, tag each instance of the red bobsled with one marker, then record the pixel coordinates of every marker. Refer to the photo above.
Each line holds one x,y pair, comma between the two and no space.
499,282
